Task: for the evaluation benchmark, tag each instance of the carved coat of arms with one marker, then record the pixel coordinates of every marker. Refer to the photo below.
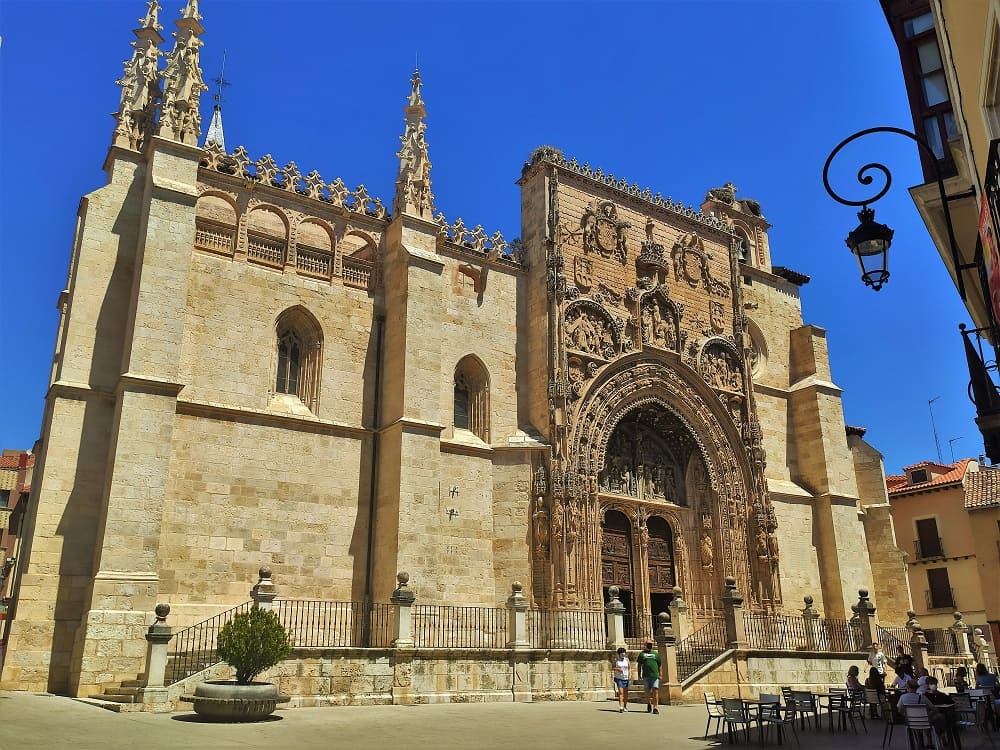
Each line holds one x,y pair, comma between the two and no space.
604,232
584,273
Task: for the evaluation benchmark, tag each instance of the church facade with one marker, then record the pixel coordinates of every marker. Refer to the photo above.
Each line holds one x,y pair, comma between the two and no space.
256,366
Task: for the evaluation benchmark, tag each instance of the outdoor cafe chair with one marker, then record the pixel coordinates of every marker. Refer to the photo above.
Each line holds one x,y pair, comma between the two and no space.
872,702
779,718
805,704
773,697
918,726
846,707
714,713
734,713
885,708
973,714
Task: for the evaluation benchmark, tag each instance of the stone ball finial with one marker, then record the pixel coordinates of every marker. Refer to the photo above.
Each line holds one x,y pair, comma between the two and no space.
161,610
677,591
862,593
264,572
730,582
957,615
517,587
402,578
663,618
911,614
808,600
613,591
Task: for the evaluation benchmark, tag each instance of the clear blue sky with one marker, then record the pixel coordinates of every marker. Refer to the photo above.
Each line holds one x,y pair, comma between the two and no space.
677,96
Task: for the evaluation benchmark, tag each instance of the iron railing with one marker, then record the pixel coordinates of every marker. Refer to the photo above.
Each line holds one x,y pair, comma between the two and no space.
940,599
193,649
700,647
794,632
934,548
894,639
325,624
941,642
444,626
561,628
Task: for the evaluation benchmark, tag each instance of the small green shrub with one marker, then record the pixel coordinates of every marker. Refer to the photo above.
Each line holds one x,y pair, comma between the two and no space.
252,642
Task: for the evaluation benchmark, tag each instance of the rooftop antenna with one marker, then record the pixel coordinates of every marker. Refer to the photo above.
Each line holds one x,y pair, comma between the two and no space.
951,445
220,81
937,441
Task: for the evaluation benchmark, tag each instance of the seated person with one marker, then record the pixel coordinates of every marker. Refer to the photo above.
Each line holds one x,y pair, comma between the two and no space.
922,676
901,679
904,662
940,717
984,678
911,697
961,681
853,683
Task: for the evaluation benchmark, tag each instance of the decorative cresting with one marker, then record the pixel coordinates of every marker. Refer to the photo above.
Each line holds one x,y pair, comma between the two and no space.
140,83
265,171
413,185
604,232
476,241
554,156
180,118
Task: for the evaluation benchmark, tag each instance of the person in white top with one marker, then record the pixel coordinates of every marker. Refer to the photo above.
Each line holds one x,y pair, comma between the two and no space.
621,675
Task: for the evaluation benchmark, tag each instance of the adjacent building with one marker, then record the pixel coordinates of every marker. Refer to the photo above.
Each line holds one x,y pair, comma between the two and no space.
950,56
257,365
946,517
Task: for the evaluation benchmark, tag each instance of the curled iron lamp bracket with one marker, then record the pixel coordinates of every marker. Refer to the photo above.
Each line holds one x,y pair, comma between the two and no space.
865,178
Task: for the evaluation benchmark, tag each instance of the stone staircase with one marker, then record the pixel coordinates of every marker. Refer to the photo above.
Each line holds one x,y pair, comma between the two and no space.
124,697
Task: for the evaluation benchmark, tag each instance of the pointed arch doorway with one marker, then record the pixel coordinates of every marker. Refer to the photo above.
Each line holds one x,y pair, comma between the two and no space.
616,563
660,564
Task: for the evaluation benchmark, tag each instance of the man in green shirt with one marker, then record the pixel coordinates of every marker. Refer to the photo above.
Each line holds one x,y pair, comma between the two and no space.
649,669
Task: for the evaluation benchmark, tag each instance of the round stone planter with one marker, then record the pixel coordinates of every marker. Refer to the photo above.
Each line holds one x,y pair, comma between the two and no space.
224,700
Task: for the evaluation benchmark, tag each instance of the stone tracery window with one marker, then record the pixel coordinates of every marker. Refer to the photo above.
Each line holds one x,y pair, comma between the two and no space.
299,344
471,400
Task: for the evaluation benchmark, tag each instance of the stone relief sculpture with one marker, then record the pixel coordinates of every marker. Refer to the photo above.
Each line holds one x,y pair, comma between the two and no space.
659,328
706,547
180,118
604,232
589,329
638,464
584,273
721,368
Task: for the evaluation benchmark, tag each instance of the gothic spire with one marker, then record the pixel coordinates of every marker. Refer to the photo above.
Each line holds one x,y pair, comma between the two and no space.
140,83
215,136
413,185
180,119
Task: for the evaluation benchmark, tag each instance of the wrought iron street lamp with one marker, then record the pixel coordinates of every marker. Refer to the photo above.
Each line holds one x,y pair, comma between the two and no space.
870,241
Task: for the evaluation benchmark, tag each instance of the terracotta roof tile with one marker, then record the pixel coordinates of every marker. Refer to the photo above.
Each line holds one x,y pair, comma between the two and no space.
956,471
982,489
14,461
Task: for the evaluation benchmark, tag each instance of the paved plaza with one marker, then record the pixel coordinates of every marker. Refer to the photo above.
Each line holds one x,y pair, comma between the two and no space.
29,721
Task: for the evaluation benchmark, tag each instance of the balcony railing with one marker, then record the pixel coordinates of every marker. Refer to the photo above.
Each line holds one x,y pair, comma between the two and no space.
313,262
924,551
214,237
942,600
357,273
266,250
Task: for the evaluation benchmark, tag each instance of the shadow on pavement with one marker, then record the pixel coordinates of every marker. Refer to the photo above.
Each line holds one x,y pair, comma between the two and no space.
196,719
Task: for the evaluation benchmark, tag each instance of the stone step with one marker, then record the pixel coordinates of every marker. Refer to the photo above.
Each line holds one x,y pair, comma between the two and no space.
136,683
99,703
117,697
124,690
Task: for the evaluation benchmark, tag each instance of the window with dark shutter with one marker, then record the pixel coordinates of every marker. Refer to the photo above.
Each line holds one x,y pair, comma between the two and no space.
928,540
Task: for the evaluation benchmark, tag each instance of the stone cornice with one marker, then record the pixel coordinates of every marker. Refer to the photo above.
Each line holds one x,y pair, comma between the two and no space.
148,384
211,410
410,424
71,389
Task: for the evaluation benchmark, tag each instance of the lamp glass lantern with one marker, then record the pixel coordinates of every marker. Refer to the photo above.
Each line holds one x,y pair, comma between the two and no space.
870,243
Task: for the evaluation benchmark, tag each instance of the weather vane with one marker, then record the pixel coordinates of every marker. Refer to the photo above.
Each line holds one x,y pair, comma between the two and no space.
220,81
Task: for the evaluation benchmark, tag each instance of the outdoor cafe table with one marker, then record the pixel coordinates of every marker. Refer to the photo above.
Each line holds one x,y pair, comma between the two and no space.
760,704
828,696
